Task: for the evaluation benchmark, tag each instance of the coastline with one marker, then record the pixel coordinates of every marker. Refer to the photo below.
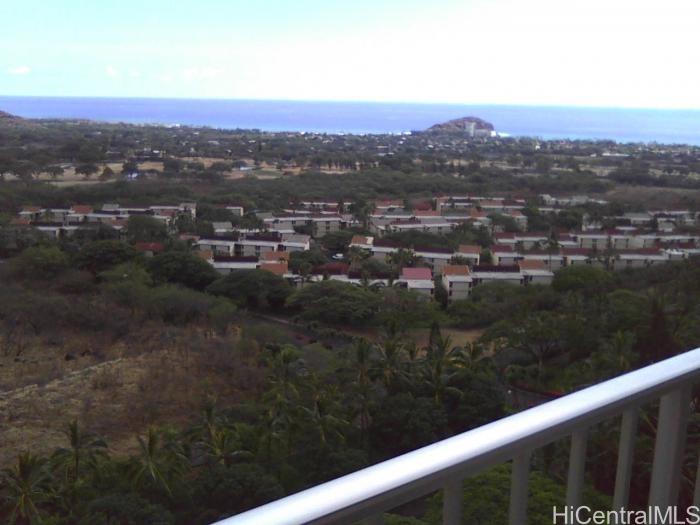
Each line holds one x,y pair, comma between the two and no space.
660,126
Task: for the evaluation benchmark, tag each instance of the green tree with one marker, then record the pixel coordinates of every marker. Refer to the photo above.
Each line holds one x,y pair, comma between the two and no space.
335,302
252,289
86,170
129,167
485,500
182,268
98,256
438,356
337,242
85,449
54,171
107,173
224,491
39,262
309,258
157,463
143,228
24,490
403,422
583,278
127,509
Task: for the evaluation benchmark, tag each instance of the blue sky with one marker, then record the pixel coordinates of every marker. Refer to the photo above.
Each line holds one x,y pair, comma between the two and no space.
625,53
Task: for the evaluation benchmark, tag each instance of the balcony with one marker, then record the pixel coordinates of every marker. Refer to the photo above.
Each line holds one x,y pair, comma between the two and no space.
366,494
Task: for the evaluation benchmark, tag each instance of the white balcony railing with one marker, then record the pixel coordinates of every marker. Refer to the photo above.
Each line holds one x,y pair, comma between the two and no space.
366,494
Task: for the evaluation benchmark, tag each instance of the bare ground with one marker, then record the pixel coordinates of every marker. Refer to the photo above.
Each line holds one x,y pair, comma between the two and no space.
121,396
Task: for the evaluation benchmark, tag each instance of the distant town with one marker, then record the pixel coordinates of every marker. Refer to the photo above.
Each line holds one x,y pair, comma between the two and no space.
195,321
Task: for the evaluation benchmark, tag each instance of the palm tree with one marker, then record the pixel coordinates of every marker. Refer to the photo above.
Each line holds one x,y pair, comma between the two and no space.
356,255
324,415
361,209
285,369
220,440
281,399
439,355
85,448
553,247
305,273
390,365
224,446
472,357
157,462
402,258
363,385
24,488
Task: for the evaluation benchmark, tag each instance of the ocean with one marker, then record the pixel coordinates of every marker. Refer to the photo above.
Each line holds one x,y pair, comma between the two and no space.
621,125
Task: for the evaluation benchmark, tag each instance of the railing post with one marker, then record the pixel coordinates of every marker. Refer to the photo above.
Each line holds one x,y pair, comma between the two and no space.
669,448
517,514
452,498
577,468
625,458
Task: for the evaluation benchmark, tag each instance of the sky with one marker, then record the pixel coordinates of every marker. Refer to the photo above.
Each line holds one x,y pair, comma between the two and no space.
605,53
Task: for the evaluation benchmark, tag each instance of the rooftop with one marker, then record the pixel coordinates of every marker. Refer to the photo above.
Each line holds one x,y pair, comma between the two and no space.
455,269
417,274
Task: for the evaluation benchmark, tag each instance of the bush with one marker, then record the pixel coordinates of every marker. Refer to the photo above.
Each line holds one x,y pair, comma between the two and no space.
127,509
335,302
100,255
225,491
176,305
142,228
403,422
252,289
583,278
39,262
486,497
182,268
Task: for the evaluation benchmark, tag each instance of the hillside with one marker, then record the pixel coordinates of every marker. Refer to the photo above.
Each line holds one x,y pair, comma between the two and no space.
4,116
468,125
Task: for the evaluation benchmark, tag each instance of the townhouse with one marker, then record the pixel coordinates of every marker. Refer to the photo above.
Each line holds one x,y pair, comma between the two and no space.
457,281
318,224
254,245
436,258
639,258
504,255
535,272
471,253
418,280
483,274
522,240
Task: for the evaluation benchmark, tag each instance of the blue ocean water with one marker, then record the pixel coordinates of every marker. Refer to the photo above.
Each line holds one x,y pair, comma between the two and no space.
622,125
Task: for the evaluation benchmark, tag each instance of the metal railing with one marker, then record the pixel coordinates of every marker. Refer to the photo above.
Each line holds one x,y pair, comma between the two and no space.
367,493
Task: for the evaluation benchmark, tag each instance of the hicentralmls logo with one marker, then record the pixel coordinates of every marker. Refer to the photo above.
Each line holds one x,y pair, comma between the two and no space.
650,516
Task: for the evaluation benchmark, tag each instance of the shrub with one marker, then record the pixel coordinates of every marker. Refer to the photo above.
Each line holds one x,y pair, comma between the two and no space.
39,262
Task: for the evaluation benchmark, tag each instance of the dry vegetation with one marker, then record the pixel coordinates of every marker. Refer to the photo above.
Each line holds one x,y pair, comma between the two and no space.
653,197
156,377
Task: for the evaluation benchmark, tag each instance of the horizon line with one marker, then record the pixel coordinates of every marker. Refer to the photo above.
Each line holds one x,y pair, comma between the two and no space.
346,101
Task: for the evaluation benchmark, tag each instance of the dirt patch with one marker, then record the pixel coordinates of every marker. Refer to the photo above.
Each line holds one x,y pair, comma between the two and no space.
159,382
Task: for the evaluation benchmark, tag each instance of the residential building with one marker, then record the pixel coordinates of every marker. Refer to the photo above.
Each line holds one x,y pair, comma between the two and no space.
419,280
456,279
535,272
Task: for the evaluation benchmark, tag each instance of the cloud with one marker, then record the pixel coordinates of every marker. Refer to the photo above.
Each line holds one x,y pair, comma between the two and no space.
112,71
19,70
